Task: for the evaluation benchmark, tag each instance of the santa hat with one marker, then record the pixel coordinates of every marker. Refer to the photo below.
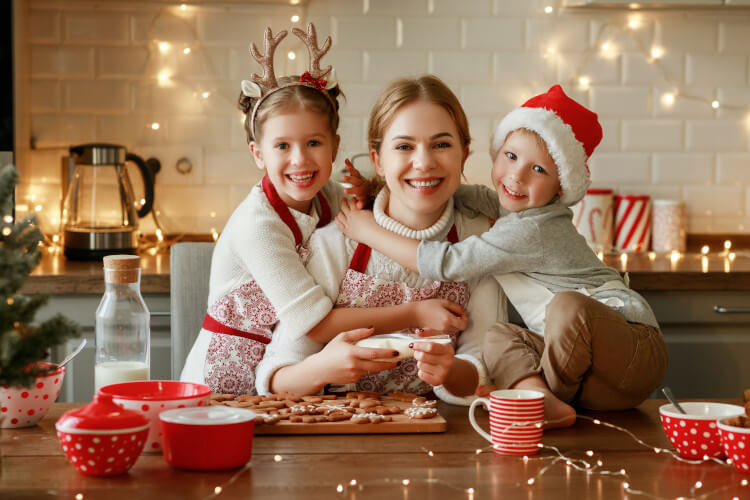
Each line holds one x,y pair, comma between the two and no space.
570,131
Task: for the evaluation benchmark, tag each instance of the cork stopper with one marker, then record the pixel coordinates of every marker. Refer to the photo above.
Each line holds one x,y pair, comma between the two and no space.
122,268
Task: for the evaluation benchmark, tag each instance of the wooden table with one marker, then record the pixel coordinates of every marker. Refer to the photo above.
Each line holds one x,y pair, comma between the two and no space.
311,467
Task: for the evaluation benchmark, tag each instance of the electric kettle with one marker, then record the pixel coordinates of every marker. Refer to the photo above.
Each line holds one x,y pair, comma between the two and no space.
100,214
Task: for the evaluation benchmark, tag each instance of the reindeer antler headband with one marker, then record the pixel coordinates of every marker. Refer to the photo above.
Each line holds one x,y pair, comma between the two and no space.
264,86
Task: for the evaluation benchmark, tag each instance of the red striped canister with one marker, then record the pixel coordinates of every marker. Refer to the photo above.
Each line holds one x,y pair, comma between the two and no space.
632,223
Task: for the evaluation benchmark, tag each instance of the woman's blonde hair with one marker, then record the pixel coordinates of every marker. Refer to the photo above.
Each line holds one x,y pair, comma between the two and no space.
407,90
290,98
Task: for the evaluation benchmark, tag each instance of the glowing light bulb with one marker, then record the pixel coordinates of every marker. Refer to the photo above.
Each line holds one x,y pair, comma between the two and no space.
590,453
294,2
704,249
291,55
584,82
405,482
340,488
731,256
79,496
186,50
478,451
155,126
217,490
667,99
634,22
715,104
430,453
470,491
295,18
698,484
353,482
727,244
652,256
657,52
183,7
626,485
548,9
164,46
8,219
277,458
206,94
38,208
744,482
530,481
163,76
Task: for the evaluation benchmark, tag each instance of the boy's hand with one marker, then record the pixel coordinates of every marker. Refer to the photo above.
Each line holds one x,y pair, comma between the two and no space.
356,224
360,186
438,316
434,361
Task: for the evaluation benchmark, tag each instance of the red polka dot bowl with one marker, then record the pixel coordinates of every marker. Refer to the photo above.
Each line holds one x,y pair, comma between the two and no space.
736,442
102,439
25,406
695,434
151,397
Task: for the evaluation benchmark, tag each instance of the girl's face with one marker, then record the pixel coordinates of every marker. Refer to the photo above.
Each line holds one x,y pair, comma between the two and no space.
421,158
297,151
524,174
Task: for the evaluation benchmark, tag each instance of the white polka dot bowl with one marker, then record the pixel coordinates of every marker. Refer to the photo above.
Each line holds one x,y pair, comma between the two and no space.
25,406
696,434
102,439
736,442
151,397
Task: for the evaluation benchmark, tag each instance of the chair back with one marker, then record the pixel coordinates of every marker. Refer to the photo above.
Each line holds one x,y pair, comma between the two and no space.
190,266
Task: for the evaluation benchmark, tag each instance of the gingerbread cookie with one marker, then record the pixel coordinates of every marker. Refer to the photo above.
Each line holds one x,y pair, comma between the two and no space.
406,397
422,402
420,412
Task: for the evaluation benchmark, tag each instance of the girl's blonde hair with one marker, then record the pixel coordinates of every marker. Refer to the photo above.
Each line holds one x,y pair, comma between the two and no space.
407,90
290,98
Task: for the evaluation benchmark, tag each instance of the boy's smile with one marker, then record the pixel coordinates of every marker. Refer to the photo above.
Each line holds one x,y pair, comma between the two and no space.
524,174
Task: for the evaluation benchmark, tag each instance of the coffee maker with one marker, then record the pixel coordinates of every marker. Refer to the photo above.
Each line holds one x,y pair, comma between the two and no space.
100,214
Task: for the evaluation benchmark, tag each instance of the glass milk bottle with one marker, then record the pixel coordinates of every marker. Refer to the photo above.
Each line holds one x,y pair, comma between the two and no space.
122,324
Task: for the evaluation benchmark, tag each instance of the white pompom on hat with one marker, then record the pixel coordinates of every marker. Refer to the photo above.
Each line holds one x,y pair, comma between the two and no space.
570,131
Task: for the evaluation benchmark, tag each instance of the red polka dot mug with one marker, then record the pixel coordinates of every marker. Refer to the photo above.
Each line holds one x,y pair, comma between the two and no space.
102,439
695,434
25,406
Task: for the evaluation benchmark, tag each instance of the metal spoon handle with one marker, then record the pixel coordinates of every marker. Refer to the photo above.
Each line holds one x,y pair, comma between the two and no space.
72,354
668,393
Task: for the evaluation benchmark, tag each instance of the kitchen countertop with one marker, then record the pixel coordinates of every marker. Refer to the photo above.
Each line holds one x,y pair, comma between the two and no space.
691,271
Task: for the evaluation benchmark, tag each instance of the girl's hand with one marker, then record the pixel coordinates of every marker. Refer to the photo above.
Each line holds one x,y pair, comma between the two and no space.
356,224
341,362
360,186
438,316
434,361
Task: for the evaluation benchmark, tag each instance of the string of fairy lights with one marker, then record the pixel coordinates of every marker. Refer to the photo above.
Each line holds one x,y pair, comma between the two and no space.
165,55
591,464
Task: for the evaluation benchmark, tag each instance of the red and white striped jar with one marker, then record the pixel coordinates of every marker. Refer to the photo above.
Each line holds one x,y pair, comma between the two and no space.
632,223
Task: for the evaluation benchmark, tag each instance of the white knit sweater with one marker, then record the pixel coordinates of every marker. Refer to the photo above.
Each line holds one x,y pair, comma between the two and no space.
330,255
256,245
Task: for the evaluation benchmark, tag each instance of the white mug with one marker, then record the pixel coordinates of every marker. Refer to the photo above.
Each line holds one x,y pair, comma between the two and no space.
516,420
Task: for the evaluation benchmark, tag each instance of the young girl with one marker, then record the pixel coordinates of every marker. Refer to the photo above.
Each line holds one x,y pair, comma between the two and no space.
257,269
589,338
419,141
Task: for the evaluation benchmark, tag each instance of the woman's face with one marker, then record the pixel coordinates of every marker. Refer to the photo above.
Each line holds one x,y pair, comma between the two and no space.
421,158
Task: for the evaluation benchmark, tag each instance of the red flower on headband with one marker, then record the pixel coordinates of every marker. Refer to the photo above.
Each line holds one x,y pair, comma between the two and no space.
318,84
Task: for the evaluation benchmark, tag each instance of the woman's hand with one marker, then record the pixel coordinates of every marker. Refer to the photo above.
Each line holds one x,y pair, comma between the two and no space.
360,186
434,361
356,224
438,316
341,362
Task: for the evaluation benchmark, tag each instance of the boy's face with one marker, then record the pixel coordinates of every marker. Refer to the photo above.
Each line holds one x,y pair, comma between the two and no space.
524,174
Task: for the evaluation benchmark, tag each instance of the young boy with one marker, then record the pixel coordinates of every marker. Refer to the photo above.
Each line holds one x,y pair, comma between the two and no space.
589,340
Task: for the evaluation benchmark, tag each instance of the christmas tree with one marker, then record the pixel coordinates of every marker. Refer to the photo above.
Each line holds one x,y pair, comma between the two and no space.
22,344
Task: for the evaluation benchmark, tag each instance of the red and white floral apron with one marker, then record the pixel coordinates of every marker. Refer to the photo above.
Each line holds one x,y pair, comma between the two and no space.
242,320
361,290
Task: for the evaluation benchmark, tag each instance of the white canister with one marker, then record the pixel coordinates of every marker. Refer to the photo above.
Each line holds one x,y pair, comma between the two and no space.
669,230
593,218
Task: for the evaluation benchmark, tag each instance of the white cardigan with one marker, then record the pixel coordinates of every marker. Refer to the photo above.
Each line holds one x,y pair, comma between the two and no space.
330,254
256,245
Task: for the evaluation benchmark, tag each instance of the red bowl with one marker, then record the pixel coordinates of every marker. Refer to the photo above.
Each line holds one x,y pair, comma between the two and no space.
696,434
736,442
208,438
103,453
25,406
151,397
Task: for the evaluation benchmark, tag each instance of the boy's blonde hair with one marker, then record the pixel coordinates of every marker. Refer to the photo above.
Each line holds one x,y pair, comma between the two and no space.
407,90
292,98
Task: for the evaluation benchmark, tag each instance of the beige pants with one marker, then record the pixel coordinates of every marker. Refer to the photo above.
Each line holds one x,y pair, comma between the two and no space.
589,356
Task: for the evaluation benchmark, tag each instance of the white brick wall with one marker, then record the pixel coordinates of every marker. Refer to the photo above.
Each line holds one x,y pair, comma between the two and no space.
93,68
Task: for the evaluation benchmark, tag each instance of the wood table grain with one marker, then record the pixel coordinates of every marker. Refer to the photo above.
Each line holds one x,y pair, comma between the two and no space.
377,466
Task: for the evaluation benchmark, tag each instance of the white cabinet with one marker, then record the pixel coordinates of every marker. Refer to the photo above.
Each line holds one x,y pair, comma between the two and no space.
78,384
